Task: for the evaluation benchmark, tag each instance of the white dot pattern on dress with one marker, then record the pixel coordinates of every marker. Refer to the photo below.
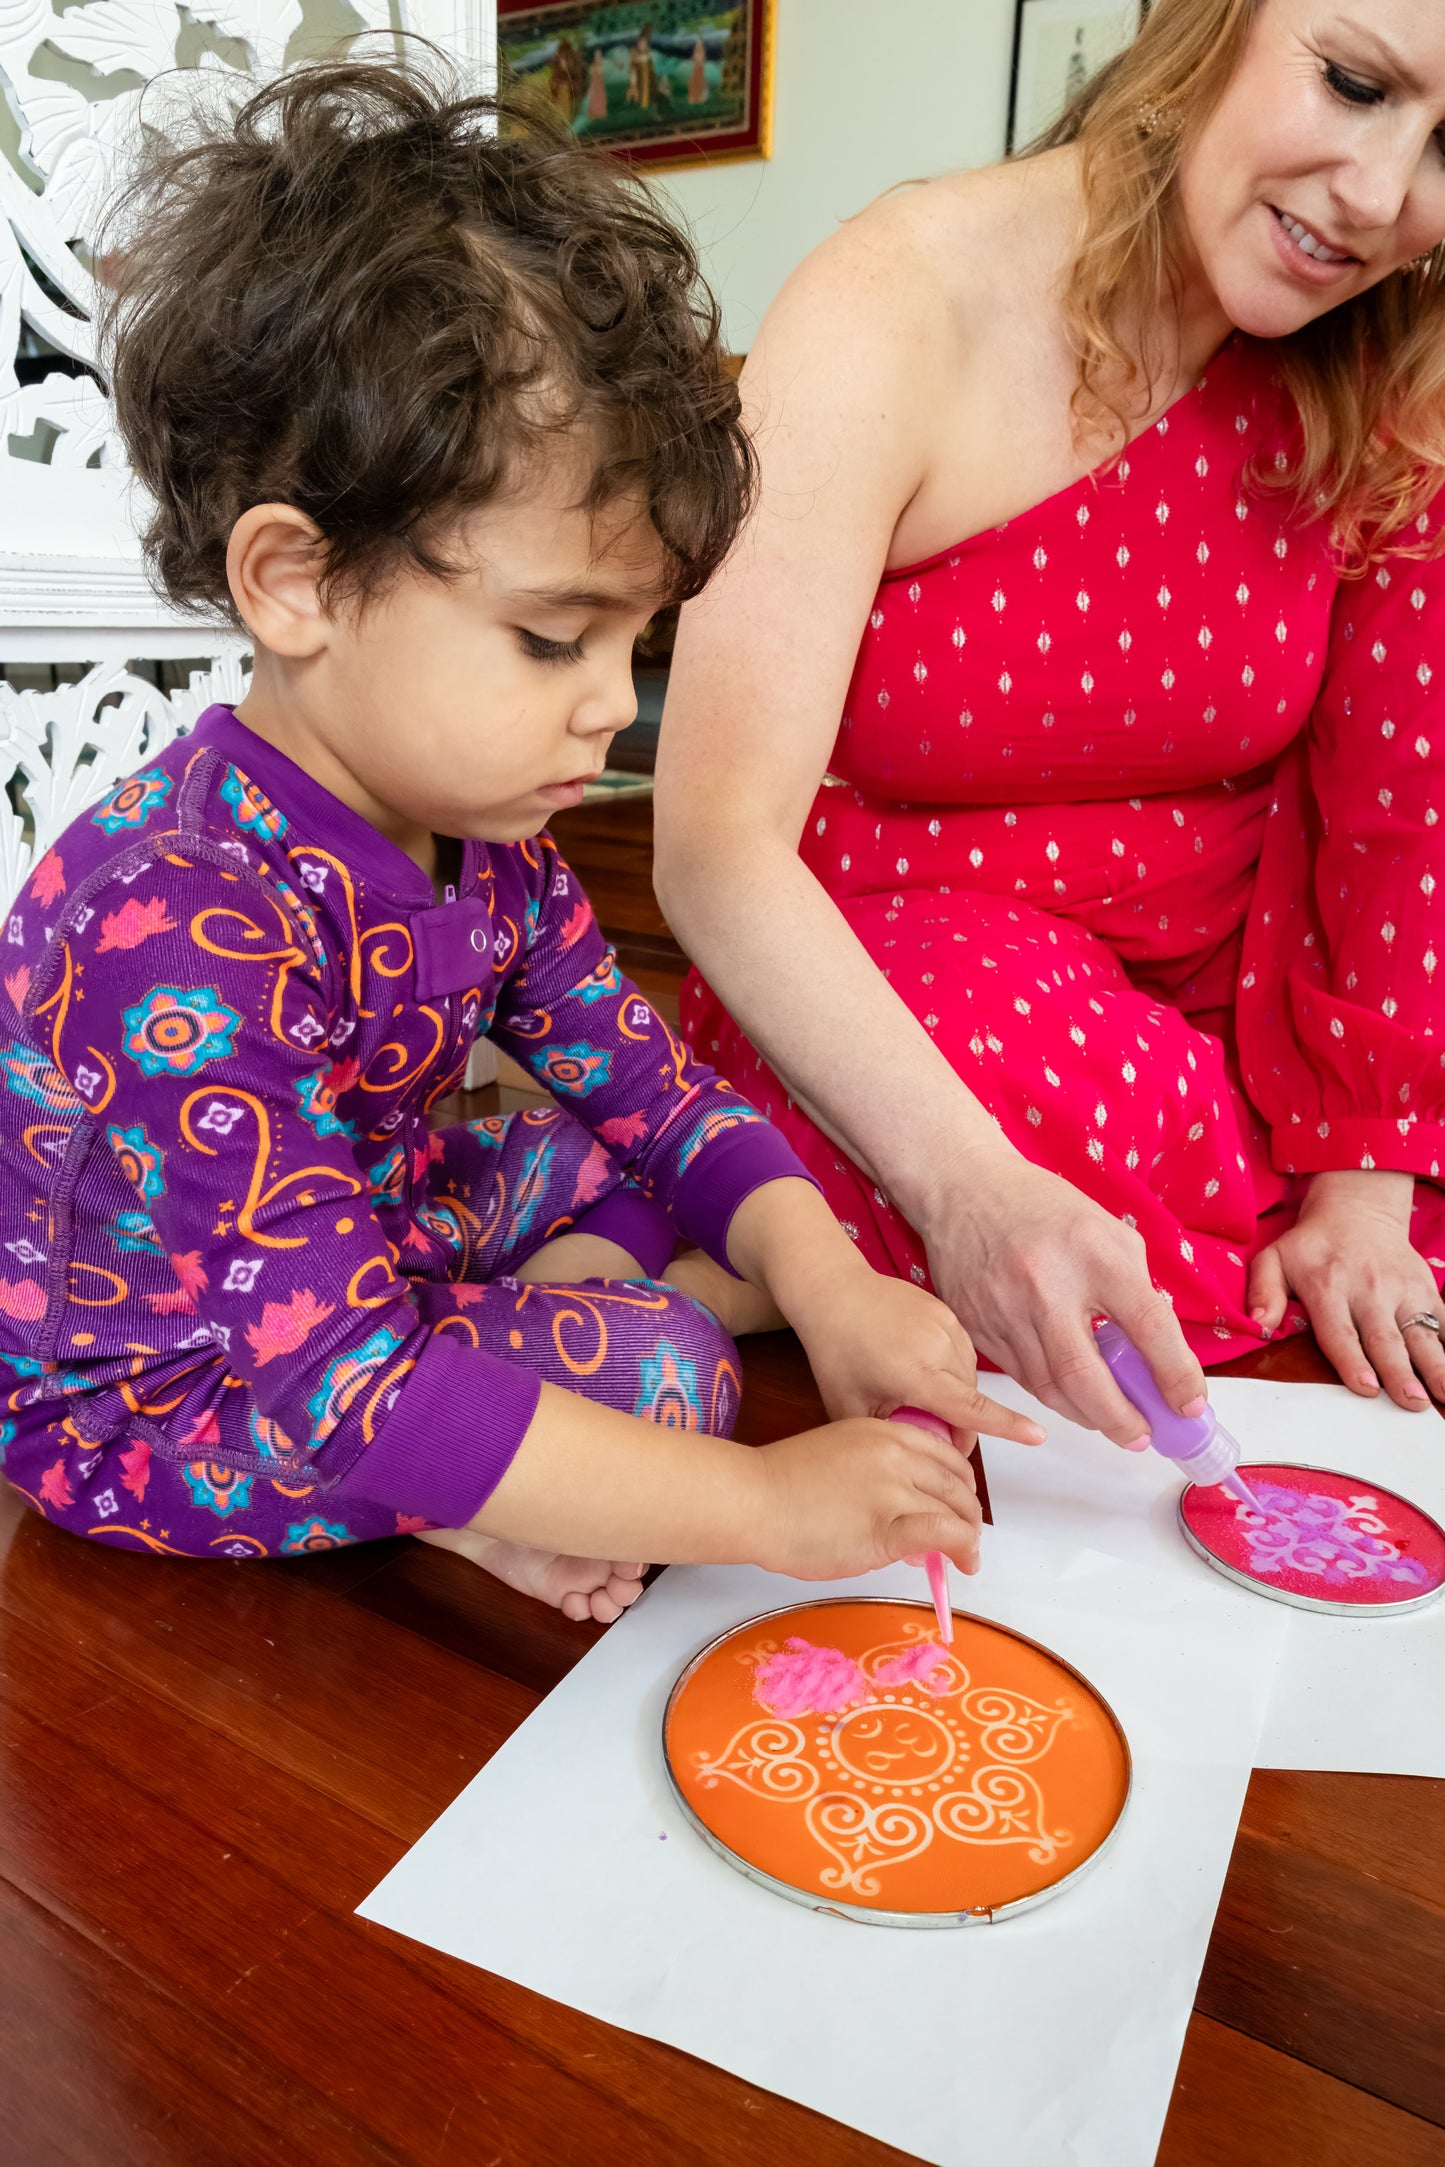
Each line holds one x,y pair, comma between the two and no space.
1191,775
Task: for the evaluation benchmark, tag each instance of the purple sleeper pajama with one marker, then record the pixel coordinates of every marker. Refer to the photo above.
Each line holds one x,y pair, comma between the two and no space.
250,1304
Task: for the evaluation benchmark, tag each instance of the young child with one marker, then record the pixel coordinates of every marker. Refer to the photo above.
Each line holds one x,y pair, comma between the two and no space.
436,414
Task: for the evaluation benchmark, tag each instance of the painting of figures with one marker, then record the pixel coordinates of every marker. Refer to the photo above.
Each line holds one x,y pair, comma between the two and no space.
661,80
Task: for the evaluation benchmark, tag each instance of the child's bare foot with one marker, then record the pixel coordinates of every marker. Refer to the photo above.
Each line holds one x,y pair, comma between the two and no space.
735,1303
581,1588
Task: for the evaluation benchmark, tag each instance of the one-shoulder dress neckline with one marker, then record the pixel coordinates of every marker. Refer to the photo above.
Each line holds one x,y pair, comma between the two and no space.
1092,478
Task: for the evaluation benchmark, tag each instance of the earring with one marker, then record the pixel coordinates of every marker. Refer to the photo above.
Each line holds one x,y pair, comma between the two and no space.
1155,117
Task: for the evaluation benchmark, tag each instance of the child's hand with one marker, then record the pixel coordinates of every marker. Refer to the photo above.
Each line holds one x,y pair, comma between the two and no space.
860,1494
876,1344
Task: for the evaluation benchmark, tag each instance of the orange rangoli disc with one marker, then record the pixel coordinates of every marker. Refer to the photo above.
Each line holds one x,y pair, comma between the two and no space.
840,1754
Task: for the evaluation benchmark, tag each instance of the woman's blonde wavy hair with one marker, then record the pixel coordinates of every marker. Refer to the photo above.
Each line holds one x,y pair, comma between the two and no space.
1368,378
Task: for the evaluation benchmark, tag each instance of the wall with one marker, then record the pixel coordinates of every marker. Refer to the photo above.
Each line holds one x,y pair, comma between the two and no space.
867,92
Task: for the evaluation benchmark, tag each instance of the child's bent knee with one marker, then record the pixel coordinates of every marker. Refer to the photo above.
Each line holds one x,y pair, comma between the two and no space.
692,1378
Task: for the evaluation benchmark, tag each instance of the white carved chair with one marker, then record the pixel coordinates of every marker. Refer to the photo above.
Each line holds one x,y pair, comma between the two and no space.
120,673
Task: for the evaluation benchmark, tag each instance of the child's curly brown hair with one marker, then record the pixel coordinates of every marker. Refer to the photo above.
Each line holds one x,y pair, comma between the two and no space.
374,297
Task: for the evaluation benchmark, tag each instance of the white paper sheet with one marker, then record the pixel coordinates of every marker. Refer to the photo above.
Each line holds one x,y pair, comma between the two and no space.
1362,1694
1047,2039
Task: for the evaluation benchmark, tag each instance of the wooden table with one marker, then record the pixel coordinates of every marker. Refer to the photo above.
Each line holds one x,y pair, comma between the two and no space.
204,1768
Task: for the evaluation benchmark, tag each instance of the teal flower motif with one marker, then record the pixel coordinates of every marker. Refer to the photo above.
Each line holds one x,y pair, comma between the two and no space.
669,1395
140,1160
575,1069
441,1219
251,809
317,1094
136,1230
176,1029
344,1378
531,1190
7,1438
603,984
28,1075
217,1489
132,802
304,1536
268,1437
713,1125
385,1180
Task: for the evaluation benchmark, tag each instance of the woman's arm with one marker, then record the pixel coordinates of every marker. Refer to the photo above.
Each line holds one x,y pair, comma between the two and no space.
1341,1009
851,370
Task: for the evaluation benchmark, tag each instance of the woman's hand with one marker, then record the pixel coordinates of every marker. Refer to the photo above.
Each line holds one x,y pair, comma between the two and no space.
1348,1259
1026,1262
875,1344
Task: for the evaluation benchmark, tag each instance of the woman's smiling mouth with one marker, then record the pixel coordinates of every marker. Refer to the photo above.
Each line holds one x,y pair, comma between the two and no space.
1304,251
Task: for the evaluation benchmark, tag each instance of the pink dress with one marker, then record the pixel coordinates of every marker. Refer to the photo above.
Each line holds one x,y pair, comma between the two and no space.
1135,802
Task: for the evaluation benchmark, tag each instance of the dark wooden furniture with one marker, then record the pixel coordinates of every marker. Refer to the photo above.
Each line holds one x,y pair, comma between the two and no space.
204,1768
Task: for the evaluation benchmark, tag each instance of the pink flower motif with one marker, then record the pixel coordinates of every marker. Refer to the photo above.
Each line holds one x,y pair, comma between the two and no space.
577,924
592,1175
137,1465
205,1430
48,884
191,1273
17,985
55,1487
133,923
175,1303
22,1298
623,1129
410,1523
284,1325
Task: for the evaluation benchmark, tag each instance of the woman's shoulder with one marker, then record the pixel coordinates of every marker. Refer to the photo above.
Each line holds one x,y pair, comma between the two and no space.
931,259
970,231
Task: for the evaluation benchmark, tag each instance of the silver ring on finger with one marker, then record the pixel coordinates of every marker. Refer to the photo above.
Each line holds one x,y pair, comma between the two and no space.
1426,1319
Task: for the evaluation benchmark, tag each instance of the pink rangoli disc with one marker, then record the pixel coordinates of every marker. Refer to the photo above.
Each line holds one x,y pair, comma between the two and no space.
1319,1540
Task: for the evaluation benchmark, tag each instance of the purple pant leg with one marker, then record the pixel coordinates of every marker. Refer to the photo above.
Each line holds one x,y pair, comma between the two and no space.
212,1478
515,1181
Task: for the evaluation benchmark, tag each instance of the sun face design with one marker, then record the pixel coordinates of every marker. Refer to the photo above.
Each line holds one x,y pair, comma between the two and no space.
894,1773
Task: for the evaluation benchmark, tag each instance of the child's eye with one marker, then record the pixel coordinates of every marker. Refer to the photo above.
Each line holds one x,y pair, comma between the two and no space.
542,650
1350,88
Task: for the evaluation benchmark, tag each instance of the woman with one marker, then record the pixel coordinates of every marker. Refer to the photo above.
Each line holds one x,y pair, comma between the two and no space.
1091,962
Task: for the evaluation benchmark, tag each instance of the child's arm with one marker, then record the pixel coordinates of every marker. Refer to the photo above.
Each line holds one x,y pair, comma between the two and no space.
874,1343
826,1504
600,1047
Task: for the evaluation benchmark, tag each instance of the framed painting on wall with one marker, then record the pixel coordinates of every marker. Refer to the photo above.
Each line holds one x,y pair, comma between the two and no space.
663,81
1058,45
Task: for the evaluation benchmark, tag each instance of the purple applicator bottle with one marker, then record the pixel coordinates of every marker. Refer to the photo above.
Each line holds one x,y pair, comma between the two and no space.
1199,1445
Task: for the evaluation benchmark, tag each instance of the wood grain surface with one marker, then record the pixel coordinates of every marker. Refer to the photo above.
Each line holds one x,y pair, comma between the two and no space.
205,1767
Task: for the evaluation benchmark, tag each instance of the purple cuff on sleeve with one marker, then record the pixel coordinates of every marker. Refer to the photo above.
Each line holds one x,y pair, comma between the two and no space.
637,1223
723,1175
452,1434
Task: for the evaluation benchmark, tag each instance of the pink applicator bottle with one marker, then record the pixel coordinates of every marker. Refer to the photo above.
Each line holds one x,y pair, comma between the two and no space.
1199,1445
934,1562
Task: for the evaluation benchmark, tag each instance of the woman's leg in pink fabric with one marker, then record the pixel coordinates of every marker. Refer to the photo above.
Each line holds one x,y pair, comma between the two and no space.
1086,1075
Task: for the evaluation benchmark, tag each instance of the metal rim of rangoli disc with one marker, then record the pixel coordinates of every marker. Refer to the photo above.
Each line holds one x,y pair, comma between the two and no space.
1327,1605
866,1915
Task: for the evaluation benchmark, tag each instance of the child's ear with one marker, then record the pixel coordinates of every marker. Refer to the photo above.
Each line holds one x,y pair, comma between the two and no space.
273,563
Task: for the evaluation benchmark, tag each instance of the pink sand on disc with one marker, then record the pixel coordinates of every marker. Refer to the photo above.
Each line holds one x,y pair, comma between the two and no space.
802,1680
915,1666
